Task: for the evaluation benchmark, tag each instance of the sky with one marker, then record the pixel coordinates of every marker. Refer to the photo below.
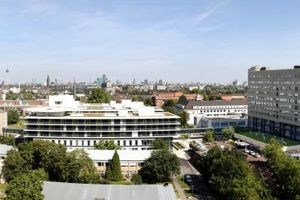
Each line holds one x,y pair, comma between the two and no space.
173,40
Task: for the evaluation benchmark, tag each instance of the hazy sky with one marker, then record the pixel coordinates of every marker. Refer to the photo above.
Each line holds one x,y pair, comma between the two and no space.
174,40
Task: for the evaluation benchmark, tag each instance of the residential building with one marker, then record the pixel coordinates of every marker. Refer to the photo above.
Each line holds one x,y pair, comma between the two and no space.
160,98
3,152
230,97
212,109
3,121
131,162
75,191
131,125
273,97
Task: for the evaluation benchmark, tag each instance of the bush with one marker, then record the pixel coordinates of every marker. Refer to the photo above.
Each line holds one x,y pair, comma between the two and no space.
136,179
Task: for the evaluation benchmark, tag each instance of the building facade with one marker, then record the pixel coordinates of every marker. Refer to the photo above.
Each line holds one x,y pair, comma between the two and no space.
131,125
273,97
212,109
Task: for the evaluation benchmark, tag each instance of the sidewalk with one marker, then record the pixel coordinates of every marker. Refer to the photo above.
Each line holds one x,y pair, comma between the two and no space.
179,190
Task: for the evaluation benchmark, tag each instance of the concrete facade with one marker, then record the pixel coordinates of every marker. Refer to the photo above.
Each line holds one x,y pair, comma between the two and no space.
273,101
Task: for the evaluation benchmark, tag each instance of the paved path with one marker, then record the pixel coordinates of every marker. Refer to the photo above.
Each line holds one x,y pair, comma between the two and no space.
179,189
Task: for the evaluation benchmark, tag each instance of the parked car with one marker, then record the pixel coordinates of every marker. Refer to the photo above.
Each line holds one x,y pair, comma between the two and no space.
188,179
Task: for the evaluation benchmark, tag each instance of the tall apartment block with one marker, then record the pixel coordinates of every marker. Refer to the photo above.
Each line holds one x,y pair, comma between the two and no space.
273,101
131,125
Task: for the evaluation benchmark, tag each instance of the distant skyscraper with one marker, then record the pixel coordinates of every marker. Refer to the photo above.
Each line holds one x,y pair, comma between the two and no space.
48,81
160,82
146,81
133,81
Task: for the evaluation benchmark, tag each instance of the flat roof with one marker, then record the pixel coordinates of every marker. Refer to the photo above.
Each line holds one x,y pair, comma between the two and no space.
73,191
125,155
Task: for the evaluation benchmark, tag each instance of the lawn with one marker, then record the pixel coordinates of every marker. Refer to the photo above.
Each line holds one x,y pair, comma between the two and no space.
184,186
265,138
123,182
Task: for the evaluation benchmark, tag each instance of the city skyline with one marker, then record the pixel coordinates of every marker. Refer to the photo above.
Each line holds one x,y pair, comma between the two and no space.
199,41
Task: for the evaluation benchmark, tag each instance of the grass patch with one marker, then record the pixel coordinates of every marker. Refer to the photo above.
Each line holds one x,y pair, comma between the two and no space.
3,186
122,182
266,138
186,188
19,125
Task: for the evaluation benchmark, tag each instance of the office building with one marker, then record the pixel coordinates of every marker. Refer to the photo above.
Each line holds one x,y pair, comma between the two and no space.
273,97
131,125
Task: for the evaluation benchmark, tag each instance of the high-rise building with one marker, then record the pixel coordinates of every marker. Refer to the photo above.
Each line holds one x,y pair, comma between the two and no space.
48,81
273,101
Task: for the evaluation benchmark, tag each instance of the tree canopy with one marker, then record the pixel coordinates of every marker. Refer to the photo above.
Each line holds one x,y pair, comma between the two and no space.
209,136
160,167
106,145
286,172
27,186
98,95
115,167
229,176
13,116
184,117
228,132
160,144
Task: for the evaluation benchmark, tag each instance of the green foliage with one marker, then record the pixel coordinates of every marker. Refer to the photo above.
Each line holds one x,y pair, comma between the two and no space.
116,174
160,144
209,136
27,186
13,165
59,165
228,132
80,168
286,171
230,177
12,116
98,95
184,117
11,96
169,105
148,102
7,139
160,167
106,145
136,179
108,174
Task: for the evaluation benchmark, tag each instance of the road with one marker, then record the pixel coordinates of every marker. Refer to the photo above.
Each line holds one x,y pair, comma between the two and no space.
198,186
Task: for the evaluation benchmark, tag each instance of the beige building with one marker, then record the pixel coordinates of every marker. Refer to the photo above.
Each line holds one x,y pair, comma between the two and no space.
131,161
3,121
273,101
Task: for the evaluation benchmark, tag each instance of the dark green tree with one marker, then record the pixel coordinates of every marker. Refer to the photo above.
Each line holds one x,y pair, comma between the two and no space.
80,168
229,176
136,179
13,116
13,165
148,102
116,173
184,117
27,186
98,95
228,132
160,167
106,145
160,144
209,136
47,155
7,139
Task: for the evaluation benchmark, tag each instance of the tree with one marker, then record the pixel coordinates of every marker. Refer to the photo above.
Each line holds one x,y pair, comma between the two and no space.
12,116
148,102
209,136
98,95
228,132
160,144
46,155
229,176
80,168
136,179
285,170
27,186
169,105
13,165
160,167
116,174
106,145
7,139
184,117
